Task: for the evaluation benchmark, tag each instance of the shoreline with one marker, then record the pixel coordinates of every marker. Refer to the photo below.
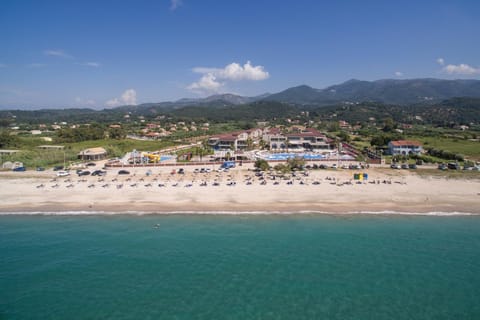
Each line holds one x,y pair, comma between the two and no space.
239,213
154,208
318,192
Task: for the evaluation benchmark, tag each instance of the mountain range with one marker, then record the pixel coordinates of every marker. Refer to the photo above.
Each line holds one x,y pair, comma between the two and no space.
388,91
440,101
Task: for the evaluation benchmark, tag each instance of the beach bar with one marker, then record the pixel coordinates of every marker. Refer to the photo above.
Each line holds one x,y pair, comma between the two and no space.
92,154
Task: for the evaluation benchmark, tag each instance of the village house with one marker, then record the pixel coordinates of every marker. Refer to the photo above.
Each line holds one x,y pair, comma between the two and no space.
405,147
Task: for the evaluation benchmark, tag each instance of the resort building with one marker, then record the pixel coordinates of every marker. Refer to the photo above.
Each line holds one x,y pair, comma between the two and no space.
304,139
307,139
404,147
235,141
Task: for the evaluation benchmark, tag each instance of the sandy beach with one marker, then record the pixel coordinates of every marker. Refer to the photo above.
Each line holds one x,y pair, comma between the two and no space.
239,190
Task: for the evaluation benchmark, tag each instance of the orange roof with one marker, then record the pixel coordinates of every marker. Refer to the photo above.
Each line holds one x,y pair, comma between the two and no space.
404,143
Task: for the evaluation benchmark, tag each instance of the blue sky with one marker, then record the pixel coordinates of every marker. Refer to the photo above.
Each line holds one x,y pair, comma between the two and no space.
107,53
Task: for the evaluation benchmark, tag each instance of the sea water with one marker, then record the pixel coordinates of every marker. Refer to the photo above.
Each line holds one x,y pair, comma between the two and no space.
239,267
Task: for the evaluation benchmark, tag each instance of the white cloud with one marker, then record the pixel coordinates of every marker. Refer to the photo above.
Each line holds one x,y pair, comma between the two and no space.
128,97
207,82
399,74
174,4
57,53
235,72
211,79
91,64
462,68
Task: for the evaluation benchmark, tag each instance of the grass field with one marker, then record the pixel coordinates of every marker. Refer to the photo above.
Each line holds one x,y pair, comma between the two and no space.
470,149
33,157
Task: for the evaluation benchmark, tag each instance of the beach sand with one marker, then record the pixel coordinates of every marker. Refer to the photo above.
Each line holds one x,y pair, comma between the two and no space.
322,191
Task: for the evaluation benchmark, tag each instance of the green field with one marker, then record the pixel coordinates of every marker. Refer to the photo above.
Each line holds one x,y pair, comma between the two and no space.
33,157
470,149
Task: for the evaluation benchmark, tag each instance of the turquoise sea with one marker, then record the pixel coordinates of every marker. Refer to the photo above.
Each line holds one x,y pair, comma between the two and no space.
239,267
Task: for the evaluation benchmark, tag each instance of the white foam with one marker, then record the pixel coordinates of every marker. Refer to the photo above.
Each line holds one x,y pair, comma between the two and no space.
228,213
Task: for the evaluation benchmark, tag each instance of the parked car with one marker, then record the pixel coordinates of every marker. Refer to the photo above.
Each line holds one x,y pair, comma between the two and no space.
404,166
83,173
99,173
19,169
63,173
57,168
453,166
40,169
395,166
123,172
91,164
412,166
442,166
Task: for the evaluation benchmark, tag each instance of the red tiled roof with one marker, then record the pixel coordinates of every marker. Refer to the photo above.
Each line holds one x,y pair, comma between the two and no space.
404,143
274,130
309,132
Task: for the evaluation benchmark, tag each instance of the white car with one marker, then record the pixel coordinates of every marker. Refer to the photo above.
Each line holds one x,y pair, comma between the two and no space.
62,173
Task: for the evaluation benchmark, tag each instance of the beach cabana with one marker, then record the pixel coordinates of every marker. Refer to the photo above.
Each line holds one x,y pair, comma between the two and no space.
92,154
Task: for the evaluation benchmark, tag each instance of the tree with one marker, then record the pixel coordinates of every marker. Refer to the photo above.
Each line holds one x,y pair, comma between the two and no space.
116,133
333,126
389,125
263,144
261,164
378,140
281,167
7,140
296,163
344,136
249,143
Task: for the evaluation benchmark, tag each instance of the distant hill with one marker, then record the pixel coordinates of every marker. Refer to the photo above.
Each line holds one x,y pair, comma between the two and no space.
443,113
218,101
437,101
389,91
258,110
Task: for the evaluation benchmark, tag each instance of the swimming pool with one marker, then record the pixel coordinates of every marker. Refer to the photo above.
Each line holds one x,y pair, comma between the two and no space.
165,158
286,156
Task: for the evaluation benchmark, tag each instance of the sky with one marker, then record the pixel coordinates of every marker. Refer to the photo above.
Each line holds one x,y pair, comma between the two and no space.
106,53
